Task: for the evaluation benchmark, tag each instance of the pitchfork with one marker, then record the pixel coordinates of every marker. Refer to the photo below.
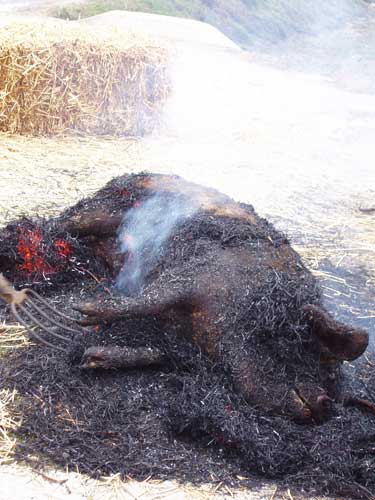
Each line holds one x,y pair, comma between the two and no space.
26,303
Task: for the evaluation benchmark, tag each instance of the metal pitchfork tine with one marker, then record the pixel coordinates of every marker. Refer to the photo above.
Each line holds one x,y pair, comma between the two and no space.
24,301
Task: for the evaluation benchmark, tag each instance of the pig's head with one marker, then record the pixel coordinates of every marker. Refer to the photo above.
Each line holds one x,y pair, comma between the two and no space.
310,398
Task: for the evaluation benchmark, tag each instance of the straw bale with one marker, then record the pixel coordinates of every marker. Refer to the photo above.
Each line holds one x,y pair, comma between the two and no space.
57,76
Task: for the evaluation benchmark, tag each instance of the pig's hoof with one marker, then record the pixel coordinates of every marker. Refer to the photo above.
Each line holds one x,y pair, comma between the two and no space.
94,314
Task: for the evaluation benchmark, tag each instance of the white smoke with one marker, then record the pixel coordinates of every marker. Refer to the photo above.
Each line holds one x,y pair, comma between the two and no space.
143,233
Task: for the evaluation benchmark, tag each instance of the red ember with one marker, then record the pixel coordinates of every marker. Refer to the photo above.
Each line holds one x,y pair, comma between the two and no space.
32,249
63,248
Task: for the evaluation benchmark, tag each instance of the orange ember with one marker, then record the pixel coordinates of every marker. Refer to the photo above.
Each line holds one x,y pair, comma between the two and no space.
31,249
63,248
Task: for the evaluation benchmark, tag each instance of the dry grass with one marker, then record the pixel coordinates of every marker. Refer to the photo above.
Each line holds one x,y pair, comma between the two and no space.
12,337
9,421
43,176
57,77
341,256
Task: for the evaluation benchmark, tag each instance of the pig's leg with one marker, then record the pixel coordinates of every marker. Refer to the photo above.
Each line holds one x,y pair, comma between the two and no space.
114,357
94,223
155,300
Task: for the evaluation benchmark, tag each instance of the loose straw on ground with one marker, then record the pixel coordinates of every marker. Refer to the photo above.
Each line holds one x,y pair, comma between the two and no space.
8,424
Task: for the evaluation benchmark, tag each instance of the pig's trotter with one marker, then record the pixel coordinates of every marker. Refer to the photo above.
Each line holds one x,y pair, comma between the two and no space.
113,357
154,301
98,313
94,223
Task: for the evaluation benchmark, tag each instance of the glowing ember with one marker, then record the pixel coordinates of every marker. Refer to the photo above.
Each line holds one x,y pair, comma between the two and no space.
63,248
31,250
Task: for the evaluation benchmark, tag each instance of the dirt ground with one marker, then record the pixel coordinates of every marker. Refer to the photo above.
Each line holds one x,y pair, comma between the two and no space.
18,482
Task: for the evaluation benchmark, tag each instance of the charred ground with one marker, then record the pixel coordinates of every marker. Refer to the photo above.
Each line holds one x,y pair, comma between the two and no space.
183,421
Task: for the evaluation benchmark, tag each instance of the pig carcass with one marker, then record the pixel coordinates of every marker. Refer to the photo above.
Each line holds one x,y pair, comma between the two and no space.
220,276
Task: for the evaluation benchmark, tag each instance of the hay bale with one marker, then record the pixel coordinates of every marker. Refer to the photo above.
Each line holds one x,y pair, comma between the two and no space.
57,76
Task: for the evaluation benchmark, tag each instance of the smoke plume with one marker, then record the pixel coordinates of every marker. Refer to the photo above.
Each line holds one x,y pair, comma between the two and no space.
144,231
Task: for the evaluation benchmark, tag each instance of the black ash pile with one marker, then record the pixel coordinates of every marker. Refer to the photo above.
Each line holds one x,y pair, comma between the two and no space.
233,303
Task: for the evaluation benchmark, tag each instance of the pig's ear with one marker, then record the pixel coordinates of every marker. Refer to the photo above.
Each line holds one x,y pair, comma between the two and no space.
341,341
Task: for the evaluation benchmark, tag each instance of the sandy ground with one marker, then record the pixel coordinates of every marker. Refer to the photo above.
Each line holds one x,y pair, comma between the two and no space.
17,482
